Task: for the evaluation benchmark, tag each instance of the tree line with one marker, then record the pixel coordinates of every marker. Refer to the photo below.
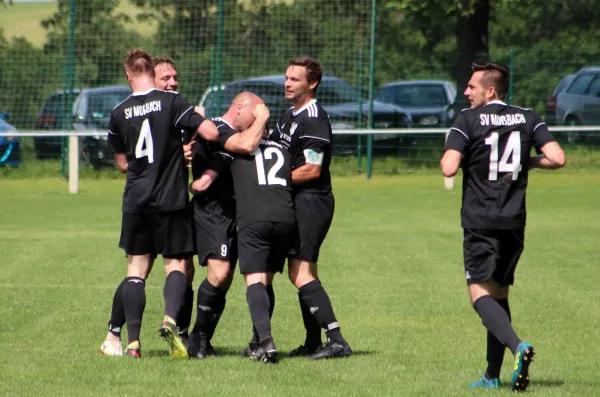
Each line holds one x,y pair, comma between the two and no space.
414,39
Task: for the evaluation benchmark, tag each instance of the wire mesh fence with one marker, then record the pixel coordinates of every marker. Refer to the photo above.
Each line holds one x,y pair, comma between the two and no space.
66,74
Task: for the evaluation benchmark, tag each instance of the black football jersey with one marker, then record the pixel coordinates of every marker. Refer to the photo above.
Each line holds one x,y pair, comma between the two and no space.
262,182
496,142
209,155
146,127
306,134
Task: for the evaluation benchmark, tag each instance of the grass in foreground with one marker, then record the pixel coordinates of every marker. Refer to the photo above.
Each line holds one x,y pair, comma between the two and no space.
392,265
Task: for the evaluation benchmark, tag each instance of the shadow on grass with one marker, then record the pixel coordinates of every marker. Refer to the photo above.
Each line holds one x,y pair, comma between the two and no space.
540,383
155,353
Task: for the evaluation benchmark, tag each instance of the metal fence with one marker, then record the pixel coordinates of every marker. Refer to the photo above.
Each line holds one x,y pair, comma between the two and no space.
51,77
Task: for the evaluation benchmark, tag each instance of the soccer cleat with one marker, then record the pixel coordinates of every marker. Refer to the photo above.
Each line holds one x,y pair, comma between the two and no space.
134,350
266,352
332,349
111,348
168,331
183,335
199,346
485,383
303,351
247,351
523,358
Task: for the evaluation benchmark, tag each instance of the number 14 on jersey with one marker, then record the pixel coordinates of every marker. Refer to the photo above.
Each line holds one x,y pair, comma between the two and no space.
511,156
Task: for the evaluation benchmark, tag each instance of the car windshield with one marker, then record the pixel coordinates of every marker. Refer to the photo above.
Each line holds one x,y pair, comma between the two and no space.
336,92
413,95
101,104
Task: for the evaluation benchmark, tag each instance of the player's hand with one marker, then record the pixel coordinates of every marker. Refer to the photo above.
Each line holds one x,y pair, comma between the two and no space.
200,110
187,152
261,111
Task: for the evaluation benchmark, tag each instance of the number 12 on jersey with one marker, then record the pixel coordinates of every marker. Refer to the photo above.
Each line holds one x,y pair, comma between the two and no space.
270,178
511,157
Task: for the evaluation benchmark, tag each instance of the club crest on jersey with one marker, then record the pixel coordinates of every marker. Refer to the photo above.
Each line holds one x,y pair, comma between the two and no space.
293,128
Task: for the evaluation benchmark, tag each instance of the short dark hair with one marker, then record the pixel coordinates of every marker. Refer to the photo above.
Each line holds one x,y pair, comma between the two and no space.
160,60
314,70
138,62
494,74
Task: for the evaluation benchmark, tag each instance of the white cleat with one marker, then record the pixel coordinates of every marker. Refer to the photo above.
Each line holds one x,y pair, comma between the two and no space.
111,348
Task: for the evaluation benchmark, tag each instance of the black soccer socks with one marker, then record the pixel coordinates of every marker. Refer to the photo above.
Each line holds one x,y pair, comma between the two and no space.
173,293
271,295
134,302
313,329
117,314
495,349
258,304
210,305
497,321
319,305
184,318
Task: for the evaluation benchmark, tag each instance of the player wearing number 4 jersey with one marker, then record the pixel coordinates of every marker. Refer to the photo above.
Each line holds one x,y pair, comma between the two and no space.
145,135
492,142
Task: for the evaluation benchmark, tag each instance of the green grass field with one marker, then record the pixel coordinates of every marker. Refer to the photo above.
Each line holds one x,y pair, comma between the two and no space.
23,19
392,265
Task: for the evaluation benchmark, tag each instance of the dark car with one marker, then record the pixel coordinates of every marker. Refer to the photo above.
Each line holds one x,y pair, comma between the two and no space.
428,102
91,112
10,147
52,118
342,102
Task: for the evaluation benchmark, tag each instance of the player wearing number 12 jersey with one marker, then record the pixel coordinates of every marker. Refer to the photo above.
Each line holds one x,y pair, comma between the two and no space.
145,135
492,142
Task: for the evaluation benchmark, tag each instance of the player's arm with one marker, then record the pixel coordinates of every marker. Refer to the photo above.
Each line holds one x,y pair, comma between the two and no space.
314,141
202,184
553,156
185,117
117,144
247,141
455,147
121,162
216,164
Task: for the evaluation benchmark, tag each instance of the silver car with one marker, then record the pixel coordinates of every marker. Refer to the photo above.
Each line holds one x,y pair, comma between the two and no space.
579,103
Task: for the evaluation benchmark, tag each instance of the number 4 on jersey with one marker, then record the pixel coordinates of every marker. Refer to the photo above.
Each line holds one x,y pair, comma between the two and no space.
511,157
145,139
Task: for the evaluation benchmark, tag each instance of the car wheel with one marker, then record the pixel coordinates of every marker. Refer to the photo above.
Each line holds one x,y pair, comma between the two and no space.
573,136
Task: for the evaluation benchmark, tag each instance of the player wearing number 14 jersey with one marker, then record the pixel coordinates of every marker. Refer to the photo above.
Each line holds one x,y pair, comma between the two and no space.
145,135
492,142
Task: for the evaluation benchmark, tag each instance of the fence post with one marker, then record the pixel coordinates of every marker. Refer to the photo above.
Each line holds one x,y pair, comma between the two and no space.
371,88
219,69
69,85
360,112
511,81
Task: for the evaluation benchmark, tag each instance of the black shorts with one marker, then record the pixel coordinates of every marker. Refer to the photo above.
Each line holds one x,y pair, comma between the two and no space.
263,246
492,254
314,213
214,229
168,234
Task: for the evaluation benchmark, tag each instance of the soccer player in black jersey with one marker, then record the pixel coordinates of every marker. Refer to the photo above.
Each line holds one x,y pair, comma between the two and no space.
240,131
145,135
265,221
166,79
492,142
305,131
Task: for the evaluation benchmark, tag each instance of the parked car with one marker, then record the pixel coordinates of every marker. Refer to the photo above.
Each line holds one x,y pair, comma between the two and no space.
91,111
428,102
550,114
341,101
52,118
10,147
579,101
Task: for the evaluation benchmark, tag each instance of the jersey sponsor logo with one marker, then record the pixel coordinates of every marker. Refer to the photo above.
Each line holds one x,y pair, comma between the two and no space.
293,128
142,110
313,157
